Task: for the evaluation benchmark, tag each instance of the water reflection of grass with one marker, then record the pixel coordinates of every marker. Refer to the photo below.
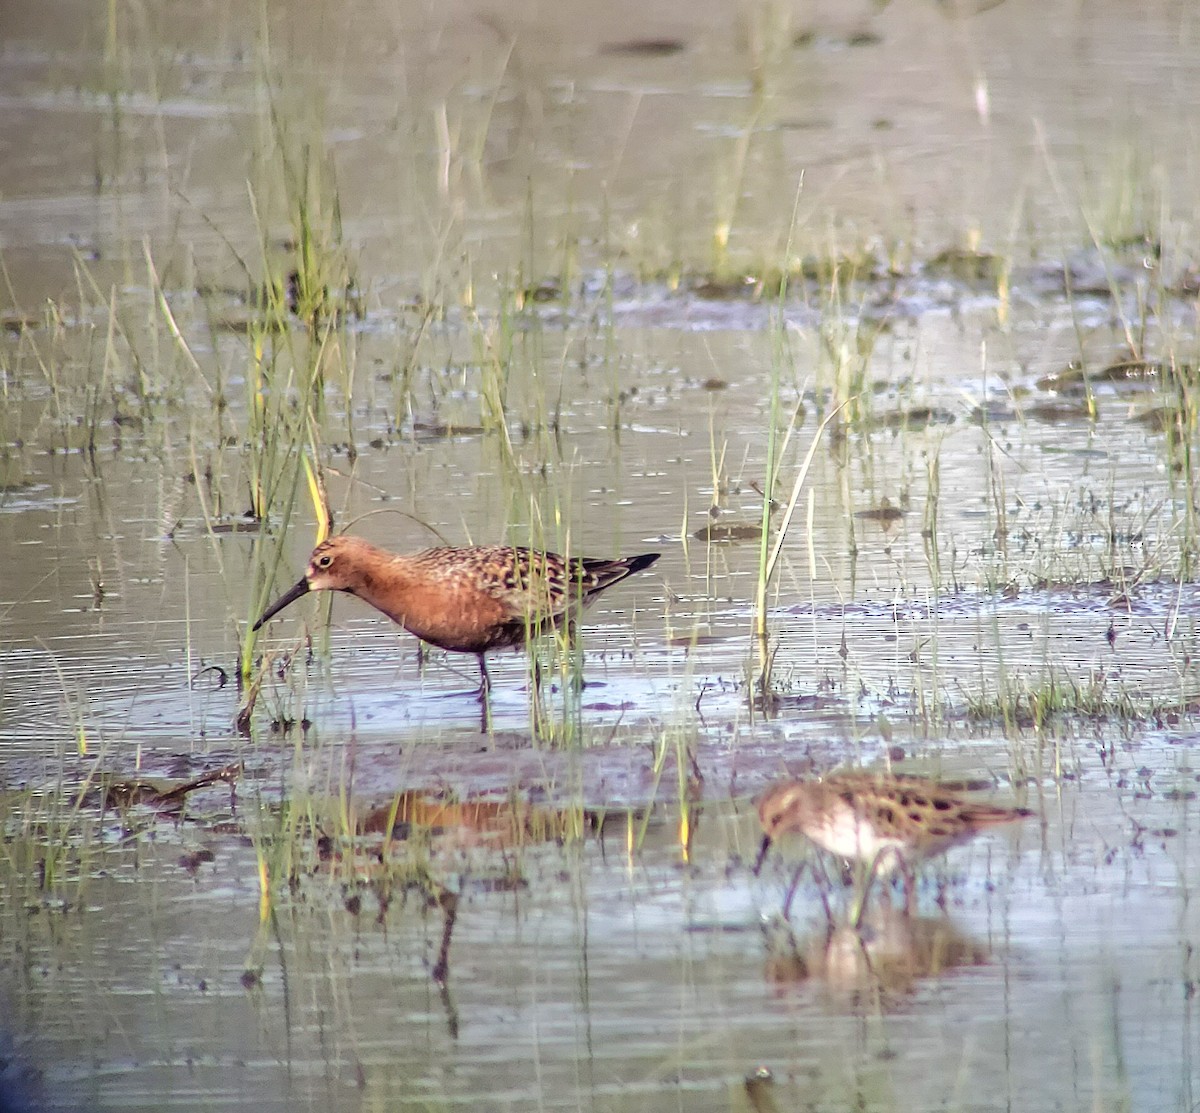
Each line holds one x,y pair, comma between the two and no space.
51,841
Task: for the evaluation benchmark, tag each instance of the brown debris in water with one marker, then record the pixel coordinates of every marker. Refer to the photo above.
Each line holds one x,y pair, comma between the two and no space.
729,531
444,430
160,793
1164,419
916,417
966,265
885,513
645,48
1075,378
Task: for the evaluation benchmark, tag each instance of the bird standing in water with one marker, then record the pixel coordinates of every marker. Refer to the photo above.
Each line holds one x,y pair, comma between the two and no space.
886,821
467,600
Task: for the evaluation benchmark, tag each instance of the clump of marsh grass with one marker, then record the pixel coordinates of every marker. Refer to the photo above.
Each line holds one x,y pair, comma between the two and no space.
269,552
298,352
1024,703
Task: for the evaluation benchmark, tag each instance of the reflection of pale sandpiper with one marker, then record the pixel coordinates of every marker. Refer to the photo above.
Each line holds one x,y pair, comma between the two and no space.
889,951
467,600
887,822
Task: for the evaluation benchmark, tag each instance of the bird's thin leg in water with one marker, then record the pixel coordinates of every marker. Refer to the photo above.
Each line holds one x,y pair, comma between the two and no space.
787,900
823,887
872,876
575,658
756,869
485,702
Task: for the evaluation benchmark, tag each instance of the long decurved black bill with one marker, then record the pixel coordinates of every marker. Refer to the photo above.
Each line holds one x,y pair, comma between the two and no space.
289,596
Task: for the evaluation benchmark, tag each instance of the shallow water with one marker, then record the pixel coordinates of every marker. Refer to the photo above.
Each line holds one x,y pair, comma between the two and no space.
992,579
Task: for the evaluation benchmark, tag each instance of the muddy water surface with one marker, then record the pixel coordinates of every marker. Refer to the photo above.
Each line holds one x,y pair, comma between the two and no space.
558,223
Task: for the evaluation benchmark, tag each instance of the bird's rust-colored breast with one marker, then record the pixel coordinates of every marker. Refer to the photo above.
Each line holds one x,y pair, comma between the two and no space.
447,597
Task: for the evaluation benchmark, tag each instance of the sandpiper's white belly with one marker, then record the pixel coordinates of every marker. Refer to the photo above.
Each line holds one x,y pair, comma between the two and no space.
848,835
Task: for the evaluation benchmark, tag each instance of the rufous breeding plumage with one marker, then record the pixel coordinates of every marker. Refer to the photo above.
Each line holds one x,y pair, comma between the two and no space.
467,600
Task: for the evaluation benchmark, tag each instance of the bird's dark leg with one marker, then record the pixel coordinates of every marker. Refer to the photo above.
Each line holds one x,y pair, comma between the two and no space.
574,650
485,704
823,885
795,884
787,900
756,869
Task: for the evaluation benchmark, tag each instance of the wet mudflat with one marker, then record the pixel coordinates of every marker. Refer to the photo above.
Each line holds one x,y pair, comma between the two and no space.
552,279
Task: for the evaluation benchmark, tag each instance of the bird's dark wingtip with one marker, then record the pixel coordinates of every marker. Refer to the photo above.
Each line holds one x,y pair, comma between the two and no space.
637,563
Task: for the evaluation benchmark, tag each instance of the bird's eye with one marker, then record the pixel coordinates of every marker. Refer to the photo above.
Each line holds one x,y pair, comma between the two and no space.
324,560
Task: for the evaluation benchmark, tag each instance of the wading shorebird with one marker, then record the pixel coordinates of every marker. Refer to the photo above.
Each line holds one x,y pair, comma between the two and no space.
887,822
466,600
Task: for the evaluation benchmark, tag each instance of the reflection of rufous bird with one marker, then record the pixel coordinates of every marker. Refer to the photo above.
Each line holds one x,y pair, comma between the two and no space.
467,600
888,822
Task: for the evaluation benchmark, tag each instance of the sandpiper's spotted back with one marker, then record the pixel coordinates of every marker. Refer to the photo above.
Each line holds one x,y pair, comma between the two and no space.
532,590
862,815
887,821
468,600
